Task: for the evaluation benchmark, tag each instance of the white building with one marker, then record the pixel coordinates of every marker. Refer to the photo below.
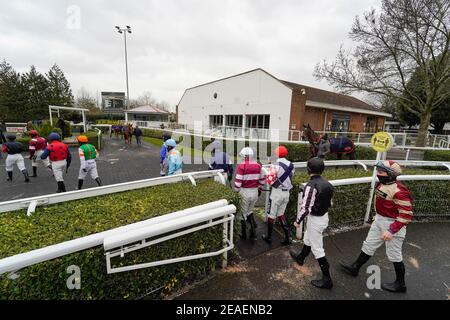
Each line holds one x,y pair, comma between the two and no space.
255,102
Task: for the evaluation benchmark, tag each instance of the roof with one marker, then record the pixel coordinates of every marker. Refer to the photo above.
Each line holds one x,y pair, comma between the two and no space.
147,109
319,95
331,99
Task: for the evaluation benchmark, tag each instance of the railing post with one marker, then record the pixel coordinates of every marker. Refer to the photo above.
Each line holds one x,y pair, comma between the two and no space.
225,244
372,188
407,153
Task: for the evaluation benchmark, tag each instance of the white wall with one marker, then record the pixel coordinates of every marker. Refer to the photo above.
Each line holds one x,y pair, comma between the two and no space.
251,93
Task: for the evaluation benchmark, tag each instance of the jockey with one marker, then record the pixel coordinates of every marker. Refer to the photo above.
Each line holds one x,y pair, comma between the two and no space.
221,160
393,207
280,178
36,148
88,153
174,160
14,149
317,200
59,156
163,153
249,180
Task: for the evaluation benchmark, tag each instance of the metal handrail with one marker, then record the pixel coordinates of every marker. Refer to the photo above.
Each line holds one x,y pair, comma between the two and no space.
365,163
22,260
103,190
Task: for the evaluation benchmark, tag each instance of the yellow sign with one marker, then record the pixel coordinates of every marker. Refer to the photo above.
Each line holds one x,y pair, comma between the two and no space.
382,141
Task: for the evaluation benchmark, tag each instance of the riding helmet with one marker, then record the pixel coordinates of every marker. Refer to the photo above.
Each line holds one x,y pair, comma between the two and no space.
315,165
11,136
166,136
54,136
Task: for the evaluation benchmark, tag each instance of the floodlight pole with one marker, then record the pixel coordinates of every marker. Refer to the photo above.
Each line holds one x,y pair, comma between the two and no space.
125,31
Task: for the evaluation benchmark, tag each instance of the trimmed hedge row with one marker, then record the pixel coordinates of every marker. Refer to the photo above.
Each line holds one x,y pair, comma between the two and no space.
297,152
436,155
93,138
431,198
74,219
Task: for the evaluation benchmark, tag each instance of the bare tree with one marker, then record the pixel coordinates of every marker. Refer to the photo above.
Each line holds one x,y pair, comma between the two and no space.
86,99
146,98
404,36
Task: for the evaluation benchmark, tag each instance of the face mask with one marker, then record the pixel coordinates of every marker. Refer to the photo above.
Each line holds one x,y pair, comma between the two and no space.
384,179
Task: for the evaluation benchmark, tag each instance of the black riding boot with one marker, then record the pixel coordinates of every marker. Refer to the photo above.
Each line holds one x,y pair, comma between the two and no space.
243,230
61,187
285,228
268,238
34,172
99,182
325,282
10,175
80,184
251,220
399,284
353,269
300,257
25,174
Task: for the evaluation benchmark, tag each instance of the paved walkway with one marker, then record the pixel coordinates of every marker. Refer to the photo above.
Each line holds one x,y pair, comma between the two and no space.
274,275
117,163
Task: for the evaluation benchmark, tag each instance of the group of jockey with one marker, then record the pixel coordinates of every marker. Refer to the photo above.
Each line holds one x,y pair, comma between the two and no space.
393,206
53,154
393,201
171,160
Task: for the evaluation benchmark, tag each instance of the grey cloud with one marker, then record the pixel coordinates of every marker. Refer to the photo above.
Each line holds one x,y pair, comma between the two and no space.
175,44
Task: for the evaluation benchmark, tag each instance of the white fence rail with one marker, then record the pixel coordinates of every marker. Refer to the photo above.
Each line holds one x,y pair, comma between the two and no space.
31,203
366,180
365,163
123,243
150,226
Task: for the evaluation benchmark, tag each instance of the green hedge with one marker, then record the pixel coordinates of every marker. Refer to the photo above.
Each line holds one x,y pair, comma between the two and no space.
93,138
297,152
74,219
435,155
431,198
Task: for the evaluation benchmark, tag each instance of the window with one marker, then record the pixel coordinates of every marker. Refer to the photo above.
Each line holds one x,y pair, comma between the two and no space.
260,121
371,124
215,121
340,122
233,120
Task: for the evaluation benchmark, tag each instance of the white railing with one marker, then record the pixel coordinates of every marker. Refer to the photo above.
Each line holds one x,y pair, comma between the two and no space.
122,243
31,203
365,180
365,163
20,261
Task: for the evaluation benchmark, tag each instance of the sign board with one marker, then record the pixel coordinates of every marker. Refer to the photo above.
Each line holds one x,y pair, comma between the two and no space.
382,141
16,129
113,100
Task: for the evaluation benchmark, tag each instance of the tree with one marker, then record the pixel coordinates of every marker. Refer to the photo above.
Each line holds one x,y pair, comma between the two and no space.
439,116
87,100
36,102
407,35
146,99
59,91
12,93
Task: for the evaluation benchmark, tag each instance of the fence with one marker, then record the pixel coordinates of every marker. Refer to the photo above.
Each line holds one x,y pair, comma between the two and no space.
31,203
365,163
431,200
147,228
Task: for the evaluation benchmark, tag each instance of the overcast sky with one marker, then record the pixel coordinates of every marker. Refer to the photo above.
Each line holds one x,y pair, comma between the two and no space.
175,44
